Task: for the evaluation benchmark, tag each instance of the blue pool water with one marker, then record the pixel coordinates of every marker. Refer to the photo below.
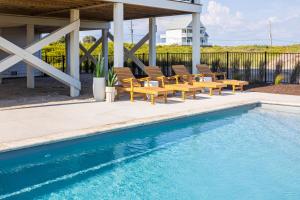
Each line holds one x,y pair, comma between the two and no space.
244,153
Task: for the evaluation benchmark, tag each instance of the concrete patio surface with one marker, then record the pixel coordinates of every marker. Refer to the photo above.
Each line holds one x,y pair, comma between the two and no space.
29,125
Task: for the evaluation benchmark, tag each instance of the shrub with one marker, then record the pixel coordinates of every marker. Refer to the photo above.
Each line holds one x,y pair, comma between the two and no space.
295,74
279,78
247,65
236,69
215,65
261,71
278,68
223,67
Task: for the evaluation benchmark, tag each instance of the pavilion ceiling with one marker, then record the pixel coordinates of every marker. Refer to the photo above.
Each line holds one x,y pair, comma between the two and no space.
89,9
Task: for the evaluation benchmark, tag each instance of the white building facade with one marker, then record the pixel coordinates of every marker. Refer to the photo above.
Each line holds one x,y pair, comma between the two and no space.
182,34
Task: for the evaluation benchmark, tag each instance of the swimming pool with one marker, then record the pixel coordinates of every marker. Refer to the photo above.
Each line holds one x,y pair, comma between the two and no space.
251,152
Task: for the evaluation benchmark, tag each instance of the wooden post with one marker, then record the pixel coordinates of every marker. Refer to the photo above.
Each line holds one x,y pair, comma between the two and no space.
74,53
196,42
152,41
67,50
0,72
118,34
105,48
30,70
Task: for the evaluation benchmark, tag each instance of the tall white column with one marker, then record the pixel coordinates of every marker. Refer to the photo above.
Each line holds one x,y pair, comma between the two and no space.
74,52
30,70
118,34
0,72
105,48
67,49
152,41
196,41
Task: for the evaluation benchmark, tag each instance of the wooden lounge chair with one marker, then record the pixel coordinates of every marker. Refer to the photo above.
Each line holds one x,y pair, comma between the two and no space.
155,74
186,76
236,84
128,83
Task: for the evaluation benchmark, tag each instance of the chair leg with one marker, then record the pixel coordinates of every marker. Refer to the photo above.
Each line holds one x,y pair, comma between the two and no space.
131,96
220,91
183,95
233,89
194,94
166,97
210,92
145,97
152,99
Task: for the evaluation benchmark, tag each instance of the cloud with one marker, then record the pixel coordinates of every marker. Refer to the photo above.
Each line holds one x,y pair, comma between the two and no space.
229,27
221,16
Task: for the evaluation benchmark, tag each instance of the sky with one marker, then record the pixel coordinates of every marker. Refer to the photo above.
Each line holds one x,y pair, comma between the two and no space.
236,22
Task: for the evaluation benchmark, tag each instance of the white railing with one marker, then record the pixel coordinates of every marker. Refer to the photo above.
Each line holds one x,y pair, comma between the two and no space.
185,1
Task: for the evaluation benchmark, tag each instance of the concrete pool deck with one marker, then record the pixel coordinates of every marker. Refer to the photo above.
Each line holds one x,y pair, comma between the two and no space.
25,126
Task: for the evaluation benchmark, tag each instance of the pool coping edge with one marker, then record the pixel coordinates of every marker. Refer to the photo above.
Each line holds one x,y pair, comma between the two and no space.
92,131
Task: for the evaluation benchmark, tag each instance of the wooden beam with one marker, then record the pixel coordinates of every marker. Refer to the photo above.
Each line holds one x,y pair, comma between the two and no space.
78,8
35,47
140,43
164,4
88,53
128,54
11,48
51,21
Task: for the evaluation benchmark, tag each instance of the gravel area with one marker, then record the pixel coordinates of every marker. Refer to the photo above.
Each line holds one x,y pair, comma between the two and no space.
278,89
13,92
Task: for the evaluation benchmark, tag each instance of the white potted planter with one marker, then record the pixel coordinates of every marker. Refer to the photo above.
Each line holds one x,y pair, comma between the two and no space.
99,89
110,94
110,89
99,80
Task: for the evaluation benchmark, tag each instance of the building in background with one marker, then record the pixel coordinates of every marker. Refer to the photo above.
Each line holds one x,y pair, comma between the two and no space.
181,33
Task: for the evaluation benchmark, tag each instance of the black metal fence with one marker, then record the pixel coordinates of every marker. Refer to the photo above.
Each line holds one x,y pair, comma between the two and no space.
254,67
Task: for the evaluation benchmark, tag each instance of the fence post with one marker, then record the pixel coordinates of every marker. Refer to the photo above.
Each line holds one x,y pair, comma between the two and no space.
46,60
63,63
266,70
167,65
227,69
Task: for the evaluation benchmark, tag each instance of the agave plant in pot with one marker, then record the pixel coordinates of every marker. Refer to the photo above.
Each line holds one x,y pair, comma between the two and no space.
110,89
99,80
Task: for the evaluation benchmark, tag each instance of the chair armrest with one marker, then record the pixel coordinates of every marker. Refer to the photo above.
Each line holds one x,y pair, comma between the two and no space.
176,77
197,75
224,74
207,74
144,79
128,80
162,79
